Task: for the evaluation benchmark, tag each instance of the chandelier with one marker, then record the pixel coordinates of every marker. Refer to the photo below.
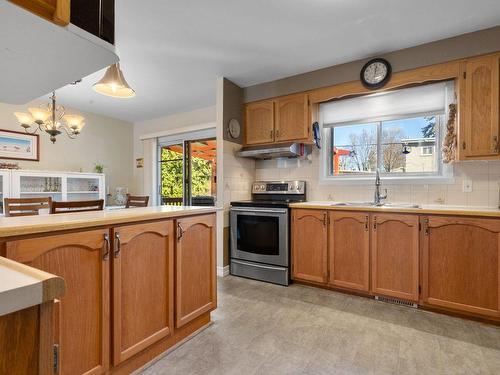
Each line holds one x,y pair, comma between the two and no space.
51,119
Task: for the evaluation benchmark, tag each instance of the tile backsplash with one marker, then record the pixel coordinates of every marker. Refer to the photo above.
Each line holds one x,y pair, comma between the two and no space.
485,177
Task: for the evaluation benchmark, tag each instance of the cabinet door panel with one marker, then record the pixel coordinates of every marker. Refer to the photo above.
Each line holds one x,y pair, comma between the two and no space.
259,123
83,312
142,287
461,264
292,118
349,252
395,250
309,245
481,114
196,288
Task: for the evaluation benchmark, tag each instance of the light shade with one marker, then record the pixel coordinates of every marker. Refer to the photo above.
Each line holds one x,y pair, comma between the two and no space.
114,84
40,115
74,121
24,118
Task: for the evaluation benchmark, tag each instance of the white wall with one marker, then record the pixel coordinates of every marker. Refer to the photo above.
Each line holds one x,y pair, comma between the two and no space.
179,121
103,140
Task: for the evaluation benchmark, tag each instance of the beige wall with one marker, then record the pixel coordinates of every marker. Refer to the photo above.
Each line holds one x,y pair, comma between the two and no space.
103,140
181,121
471,44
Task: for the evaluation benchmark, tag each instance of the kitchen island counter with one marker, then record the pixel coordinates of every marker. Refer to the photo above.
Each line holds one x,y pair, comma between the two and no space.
26,225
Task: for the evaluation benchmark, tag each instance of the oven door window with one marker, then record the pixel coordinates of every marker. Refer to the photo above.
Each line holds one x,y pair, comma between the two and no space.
258,234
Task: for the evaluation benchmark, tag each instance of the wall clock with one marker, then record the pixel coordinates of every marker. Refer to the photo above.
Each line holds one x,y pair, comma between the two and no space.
376,73
234,128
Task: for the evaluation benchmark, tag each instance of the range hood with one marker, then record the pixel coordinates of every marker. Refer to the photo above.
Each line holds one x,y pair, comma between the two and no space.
283,150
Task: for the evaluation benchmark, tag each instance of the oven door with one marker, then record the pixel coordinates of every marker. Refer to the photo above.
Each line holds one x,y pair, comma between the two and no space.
260,234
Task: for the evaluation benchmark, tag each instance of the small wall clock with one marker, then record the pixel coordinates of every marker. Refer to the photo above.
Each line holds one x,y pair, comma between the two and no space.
376,73
234,128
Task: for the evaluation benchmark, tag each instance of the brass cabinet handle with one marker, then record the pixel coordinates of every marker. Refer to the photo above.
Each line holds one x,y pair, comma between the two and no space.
277,133
325,219
118,245
271,134
180,231
495,144
366,223
107,246
375,223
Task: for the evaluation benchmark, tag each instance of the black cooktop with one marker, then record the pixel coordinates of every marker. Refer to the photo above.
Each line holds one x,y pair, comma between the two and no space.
266,203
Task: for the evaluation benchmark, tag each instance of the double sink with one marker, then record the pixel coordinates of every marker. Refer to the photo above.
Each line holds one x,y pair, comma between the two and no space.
372,204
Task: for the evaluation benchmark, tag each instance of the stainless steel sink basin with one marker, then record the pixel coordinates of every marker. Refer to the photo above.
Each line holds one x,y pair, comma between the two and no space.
402,205
354,204
371,204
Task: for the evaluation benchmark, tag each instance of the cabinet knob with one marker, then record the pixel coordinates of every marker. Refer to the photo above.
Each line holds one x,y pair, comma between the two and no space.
180,231
107,246
495,144
118,245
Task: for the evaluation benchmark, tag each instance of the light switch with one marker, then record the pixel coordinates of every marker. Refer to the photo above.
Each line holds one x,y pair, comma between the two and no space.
467,186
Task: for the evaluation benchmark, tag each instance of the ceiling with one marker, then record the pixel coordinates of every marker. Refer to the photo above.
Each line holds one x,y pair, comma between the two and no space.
172,51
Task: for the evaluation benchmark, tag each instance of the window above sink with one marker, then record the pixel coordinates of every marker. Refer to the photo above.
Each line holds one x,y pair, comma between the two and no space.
399,132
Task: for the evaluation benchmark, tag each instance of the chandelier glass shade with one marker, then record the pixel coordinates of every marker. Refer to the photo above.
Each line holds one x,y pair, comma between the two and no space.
51,119
113,84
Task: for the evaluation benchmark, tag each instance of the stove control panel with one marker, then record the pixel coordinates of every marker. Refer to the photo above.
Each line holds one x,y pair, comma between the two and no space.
279,187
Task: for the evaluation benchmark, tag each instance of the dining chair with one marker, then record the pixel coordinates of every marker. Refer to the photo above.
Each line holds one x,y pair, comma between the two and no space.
76,206
26,206
137,201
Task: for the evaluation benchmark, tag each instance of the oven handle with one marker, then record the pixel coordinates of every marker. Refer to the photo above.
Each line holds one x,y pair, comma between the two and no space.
253,210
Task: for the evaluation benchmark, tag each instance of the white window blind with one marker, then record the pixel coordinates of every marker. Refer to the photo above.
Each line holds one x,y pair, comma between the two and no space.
414,100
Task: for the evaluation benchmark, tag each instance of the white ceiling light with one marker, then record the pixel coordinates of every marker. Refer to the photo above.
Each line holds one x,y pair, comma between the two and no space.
114,84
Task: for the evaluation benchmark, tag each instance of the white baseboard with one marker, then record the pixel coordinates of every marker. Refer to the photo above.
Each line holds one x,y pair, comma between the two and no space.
223,271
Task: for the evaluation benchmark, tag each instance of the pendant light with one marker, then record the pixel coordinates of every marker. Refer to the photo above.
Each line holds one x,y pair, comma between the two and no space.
114,84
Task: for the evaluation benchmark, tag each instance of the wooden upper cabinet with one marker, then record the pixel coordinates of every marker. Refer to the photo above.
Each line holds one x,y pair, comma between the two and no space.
310,245
460,265
395,256
82,315
143,286
195,288
259,123
292,118
56,11
479,114
349,250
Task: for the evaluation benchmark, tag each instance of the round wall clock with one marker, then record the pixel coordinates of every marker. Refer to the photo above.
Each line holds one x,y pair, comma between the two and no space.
376,73
234,128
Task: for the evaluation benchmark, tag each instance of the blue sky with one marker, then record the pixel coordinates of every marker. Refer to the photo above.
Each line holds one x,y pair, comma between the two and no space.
412,129
14,141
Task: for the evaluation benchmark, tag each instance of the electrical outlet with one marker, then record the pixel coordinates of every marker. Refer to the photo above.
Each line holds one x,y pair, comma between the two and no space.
467,186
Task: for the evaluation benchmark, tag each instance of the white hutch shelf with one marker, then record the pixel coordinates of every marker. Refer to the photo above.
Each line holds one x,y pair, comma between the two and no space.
61,186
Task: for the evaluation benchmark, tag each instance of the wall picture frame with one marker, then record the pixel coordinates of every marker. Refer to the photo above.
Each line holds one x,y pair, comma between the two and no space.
19,146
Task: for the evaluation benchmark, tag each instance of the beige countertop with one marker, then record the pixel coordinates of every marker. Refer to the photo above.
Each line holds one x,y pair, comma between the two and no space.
424,209
22,286
24,225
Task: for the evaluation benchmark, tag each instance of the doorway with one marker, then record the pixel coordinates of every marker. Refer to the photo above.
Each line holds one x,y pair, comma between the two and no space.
187,171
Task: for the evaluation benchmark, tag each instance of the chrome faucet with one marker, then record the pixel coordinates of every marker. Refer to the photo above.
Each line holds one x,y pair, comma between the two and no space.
378,198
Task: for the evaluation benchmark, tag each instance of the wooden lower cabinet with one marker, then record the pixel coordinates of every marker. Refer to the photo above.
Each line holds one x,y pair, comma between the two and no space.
461,263
143,286
395,256
195,260
82,315
349,250
310,245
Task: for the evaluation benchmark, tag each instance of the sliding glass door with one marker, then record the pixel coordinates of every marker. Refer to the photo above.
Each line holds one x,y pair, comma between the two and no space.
187,172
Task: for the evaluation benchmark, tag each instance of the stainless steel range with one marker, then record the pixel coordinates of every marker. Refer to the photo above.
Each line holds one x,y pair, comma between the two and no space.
260,231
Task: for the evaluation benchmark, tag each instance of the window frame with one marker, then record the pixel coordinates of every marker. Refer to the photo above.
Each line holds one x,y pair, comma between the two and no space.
444,174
